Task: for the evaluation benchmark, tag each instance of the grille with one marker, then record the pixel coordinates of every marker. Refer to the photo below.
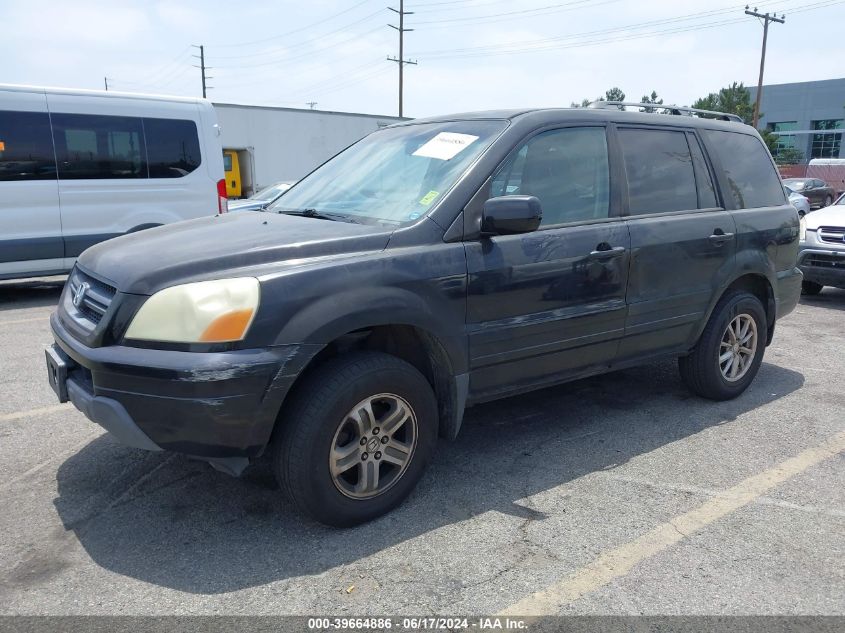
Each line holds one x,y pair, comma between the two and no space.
95,300
833,234
823,260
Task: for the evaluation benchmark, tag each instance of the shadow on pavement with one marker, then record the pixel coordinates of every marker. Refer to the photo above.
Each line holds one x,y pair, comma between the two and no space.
829,298
30,293
170,521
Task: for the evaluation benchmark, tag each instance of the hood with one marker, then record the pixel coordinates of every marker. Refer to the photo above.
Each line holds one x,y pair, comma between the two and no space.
829,216
224,245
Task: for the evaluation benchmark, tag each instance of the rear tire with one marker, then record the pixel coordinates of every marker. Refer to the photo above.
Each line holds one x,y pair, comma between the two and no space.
827,201
355,438
729,353
810,288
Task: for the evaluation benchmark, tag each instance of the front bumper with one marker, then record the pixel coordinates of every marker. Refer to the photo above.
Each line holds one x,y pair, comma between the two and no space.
216,405
823,266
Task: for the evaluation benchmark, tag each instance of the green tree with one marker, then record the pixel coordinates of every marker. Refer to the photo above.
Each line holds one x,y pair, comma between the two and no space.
615,94
789,156
652,98
584,103
735,99
771,141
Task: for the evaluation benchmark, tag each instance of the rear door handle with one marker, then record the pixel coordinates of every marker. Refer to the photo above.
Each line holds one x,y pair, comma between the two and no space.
608,253
719,238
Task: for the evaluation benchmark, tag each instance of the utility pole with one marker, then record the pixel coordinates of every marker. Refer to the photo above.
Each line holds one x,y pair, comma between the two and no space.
106,82
766,19
202,68
311,104
401,59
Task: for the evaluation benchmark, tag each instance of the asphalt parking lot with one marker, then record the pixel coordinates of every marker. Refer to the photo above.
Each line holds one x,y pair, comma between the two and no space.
621,494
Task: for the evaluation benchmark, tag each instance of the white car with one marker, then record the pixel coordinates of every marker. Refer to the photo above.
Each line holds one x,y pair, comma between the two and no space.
821,250
81,166
801,203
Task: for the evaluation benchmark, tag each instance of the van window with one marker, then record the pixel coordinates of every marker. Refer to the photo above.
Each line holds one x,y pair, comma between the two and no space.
566,169
173,147
26,147
660,172
90,146
752,178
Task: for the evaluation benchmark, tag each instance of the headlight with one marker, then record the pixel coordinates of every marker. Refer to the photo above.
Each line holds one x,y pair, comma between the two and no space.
217,311
802,229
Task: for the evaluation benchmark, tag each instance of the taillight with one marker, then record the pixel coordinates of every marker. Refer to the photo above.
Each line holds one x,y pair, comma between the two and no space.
222,198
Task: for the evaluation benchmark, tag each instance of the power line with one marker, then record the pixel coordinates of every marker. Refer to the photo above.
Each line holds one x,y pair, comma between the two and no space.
401,59
767,18
565,42
297,30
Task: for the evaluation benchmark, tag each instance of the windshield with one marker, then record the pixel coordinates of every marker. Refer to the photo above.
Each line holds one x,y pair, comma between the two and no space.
795,185
394,175
272,192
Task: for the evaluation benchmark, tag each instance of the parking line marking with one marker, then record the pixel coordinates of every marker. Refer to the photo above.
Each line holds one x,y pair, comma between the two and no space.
620,560
19,415
30,319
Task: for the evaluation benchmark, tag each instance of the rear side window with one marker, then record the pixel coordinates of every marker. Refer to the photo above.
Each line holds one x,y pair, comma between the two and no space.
659,166
26,147
752,179
98,147
173,147
566,169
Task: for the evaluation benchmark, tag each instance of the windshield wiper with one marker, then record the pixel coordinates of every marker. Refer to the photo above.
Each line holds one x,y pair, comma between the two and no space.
320,215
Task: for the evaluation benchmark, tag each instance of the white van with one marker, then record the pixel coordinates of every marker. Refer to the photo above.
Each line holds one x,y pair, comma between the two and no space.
78,167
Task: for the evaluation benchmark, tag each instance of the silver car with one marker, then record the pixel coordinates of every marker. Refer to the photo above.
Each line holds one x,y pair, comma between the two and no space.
821,253
262,199
800,202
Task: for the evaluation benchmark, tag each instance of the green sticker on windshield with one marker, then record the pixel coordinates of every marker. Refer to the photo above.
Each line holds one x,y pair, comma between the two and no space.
428,198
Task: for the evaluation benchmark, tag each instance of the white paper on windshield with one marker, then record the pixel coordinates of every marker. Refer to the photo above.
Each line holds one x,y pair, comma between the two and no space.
446,145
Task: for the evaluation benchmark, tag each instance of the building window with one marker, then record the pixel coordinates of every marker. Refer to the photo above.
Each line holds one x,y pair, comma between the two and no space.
784,141
827,144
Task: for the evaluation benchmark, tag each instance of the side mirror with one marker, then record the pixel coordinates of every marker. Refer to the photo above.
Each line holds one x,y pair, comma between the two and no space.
508,215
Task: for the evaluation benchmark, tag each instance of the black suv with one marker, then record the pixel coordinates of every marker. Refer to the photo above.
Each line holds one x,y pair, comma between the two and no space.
433,265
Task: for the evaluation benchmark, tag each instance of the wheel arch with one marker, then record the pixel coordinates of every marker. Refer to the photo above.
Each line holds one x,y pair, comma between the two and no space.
410,342
757,284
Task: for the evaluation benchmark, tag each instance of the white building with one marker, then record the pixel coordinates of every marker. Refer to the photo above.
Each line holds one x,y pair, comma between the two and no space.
284,144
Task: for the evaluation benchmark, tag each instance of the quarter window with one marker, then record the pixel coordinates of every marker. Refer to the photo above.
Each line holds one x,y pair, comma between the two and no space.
26,148
659,166
566,169
752,179
99,146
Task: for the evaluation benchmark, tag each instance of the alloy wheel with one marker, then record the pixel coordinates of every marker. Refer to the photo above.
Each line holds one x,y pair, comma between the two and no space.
738,347
373,446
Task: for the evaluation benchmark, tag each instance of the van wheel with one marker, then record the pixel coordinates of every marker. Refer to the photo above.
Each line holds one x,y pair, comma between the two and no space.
727,356
355,438
810,288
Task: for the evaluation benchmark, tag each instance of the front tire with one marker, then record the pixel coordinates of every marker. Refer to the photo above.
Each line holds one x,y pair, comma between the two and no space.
355,438
729,353
810,288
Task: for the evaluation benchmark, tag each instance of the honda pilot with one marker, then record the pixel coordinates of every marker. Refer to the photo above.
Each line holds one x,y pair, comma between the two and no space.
433,265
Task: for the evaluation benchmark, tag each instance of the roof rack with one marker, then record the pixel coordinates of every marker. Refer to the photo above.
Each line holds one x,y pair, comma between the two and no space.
669,109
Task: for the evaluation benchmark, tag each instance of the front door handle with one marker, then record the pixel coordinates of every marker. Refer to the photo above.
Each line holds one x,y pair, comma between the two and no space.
608,253
719,237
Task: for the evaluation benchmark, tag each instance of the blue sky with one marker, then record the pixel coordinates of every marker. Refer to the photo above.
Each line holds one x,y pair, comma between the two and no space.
472,54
